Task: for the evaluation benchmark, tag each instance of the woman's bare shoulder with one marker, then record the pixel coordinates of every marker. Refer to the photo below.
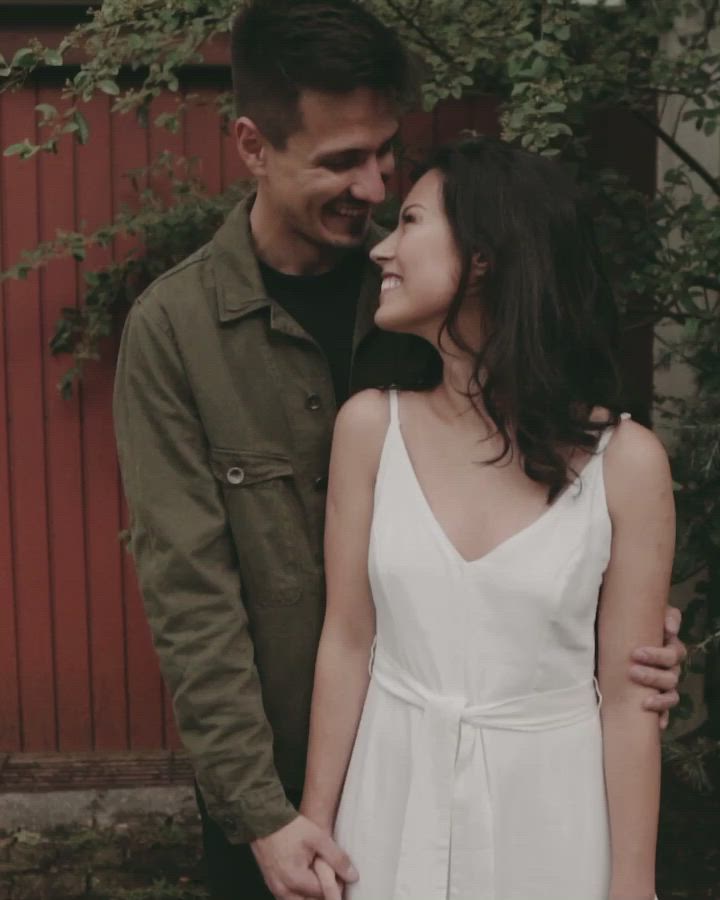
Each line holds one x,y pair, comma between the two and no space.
636,466
367,409
361,425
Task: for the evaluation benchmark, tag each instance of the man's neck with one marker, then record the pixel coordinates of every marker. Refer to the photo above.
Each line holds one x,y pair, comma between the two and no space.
287,251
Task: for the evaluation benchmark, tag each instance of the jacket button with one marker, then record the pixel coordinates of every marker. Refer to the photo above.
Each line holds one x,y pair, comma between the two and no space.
321,482
313,402
235,475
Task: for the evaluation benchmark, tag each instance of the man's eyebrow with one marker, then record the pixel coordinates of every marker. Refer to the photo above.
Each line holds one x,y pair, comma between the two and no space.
349,152
339,153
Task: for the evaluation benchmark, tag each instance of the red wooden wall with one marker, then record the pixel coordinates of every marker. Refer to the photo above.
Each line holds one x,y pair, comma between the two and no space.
77,670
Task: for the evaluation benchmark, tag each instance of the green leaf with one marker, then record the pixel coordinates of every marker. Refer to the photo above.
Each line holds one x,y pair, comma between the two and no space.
24,148
169,121
83,129
53,58
24,58
65,385
142,114
108,86
47,110
538,68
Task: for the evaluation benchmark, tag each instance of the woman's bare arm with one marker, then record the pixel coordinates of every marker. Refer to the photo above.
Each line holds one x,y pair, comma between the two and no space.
341,671
631,612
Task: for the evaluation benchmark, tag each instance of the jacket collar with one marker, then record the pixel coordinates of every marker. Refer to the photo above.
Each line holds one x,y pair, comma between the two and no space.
240,288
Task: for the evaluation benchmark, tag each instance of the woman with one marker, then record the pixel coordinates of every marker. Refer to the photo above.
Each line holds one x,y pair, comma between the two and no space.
502,513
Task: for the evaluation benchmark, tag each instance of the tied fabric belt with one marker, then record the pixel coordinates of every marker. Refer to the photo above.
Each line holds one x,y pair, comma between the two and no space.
424,862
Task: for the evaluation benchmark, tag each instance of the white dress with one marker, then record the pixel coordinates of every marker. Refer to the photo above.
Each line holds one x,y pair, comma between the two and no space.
477,770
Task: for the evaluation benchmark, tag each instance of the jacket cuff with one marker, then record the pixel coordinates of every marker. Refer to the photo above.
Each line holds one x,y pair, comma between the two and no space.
259,813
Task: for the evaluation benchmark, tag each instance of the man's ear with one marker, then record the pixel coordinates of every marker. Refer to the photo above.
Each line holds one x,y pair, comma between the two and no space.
251,146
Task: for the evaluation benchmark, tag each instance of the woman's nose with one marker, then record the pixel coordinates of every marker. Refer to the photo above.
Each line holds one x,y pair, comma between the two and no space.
383,251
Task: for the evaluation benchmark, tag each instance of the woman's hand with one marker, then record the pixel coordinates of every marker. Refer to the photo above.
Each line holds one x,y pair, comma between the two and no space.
332,886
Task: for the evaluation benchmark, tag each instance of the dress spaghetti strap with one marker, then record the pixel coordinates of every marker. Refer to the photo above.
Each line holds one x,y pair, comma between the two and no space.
608,433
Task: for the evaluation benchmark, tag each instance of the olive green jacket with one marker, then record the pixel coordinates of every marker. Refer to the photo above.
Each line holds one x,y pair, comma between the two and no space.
224,410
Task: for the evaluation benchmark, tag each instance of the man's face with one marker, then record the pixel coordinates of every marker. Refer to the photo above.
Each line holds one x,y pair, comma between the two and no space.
324,184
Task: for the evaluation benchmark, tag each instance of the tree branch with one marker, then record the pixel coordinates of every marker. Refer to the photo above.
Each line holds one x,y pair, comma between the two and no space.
423,35
679,151
710,284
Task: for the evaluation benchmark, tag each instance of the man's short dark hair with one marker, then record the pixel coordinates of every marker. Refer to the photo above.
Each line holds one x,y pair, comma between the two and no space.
281,47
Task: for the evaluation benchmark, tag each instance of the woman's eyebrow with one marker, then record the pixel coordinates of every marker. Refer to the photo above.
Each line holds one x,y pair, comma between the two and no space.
411,206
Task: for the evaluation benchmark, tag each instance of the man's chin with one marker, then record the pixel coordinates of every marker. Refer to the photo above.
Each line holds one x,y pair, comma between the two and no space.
351,233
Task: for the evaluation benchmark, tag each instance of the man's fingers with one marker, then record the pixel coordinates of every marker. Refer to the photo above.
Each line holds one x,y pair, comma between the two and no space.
662,702
661,657
673,619
326,847
328,881
661,679
680,649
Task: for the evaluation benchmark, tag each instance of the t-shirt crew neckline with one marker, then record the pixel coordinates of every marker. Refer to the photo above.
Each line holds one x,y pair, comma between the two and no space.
324,305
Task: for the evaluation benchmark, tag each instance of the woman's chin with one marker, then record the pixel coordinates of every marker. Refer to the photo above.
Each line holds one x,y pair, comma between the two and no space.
387,320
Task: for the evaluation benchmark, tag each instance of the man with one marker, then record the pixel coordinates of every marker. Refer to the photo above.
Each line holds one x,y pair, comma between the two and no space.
230,372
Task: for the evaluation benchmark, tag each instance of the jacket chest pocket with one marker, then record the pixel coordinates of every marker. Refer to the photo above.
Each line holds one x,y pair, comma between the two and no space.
265,520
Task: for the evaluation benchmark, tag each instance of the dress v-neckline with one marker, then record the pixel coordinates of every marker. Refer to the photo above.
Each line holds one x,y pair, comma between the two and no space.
440,531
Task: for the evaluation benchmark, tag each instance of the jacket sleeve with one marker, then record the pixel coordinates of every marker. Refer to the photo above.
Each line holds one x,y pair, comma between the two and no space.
189,579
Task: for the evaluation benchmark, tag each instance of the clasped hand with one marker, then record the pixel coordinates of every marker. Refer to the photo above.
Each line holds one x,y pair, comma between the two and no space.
302,861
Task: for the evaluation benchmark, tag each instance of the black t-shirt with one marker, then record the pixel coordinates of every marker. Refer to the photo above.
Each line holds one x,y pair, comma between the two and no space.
324,306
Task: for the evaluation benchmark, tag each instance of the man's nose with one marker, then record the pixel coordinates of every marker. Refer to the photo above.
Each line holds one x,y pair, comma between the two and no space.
369,183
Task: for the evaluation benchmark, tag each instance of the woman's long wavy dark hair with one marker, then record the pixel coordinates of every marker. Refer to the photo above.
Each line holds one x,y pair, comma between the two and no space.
551,324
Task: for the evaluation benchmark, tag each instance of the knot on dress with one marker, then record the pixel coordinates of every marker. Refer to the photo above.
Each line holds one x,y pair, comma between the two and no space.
424,861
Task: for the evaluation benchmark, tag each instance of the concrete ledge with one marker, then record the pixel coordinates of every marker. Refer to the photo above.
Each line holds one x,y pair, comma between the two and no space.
35,772
94,808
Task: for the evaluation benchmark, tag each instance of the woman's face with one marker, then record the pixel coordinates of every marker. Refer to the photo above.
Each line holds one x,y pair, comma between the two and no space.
420,264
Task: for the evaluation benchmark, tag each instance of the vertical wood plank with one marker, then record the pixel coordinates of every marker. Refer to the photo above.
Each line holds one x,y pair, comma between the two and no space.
484,115
202,137
10,728
102,490
416,139
28,487
232,168
134,149
58,289
451,117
